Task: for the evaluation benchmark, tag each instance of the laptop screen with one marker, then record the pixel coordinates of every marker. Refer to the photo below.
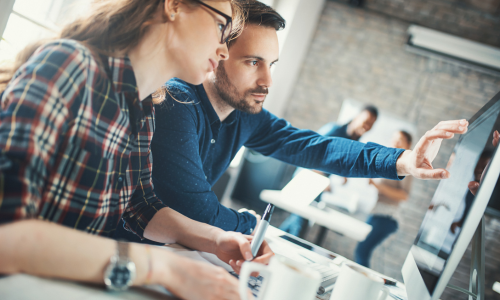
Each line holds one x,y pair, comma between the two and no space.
453,200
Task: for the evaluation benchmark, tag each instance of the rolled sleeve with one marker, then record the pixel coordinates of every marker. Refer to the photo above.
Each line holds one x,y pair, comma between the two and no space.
386,161
144,204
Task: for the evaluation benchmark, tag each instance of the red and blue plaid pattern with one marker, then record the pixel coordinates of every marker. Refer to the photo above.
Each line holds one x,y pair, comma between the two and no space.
75,143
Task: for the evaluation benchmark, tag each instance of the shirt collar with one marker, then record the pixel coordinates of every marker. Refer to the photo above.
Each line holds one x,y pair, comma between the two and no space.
209,109
207,105
122,74
123,77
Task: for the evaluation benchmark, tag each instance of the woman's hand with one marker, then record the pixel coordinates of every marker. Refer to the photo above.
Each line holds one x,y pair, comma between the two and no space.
234,248
193,280
418,162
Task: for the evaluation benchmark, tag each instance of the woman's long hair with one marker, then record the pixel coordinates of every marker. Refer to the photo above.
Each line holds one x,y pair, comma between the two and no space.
112,26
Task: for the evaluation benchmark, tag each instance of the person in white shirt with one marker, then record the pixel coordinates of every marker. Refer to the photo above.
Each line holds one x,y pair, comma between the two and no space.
385,214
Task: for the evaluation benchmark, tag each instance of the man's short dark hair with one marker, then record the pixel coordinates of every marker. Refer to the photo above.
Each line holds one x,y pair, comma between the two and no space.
372,110
407,136
260,14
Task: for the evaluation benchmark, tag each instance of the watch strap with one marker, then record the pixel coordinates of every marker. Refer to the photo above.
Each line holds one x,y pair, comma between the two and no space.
122,251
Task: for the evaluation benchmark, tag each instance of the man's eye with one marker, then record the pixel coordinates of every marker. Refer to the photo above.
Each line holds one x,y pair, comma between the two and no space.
221,27
253,62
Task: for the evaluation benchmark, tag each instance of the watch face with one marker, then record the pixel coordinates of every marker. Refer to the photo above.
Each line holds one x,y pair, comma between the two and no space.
120,276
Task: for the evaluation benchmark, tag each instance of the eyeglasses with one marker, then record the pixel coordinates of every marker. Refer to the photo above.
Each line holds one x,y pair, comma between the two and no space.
228,27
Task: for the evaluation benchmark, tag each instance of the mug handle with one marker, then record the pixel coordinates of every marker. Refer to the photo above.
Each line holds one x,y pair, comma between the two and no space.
385,293
247,269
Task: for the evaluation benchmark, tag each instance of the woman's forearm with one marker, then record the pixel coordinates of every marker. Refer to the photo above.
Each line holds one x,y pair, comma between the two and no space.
169,226
46,249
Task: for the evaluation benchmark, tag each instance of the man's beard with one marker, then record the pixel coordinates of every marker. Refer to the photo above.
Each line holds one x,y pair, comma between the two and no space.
230,95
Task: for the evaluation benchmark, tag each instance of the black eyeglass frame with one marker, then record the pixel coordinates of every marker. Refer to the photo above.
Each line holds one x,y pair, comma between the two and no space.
229,21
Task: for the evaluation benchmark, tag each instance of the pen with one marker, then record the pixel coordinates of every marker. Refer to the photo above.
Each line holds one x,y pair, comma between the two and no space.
260,232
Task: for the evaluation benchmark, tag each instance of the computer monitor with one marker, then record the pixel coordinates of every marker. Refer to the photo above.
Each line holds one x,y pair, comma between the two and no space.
493,208
454,213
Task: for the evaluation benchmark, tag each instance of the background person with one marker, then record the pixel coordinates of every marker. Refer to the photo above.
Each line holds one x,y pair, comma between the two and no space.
76,122
384,215
353,130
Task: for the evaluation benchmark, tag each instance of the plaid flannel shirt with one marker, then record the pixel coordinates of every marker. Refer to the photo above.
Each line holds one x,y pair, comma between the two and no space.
75,143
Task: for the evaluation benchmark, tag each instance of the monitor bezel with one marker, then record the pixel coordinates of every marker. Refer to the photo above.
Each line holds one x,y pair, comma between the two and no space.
415,286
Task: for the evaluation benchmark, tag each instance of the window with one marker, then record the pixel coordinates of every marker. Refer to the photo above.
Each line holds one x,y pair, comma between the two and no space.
31,20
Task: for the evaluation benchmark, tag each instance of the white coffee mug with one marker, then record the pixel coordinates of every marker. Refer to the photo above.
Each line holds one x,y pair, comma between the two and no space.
284,279
355,283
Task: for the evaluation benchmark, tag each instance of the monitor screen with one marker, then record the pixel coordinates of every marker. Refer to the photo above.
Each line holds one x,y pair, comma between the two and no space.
453,200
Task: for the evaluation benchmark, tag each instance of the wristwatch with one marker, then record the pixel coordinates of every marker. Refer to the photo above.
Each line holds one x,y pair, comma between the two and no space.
120,272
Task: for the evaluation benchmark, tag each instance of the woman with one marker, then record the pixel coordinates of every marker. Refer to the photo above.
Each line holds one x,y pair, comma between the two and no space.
384,215
76,122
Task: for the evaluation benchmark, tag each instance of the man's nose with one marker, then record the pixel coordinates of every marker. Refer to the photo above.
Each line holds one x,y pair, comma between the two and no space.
265,78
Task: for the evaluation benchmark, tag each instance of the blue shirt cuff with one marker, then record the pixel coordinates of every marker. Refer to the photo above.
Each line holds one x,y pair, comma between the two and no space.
386,162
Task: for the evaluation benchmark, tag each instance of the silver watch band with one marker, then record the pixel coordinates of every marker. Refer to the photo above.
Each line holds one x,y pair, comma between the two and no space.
122,251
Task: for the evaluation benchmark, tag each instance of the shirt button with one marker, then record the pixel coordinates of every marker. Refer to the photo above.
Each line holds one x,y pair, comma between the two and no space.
120,179
206,177
212,141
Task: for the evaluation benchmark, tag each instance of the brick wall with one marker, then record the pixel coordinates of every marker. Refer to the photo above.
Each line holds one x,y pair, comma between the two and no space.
359,54
478,20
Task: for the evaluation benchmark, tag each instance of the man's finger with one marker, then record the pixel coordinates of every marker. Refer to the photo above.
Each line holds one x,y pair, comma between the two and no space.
432,174
456,126
438,134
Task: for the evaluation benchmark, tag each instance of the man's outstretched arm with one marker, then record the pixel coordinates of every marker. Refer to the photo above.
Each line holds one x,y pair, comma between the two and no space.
277,138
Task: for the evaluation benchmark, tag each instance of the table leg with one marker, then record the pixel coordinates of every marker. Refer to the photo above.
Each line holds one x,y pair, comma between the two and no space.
320,238
304,229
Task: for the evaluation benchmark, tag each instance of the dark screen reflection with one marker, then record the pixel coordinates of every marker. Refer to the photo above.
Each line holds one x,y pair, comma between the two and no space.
454,197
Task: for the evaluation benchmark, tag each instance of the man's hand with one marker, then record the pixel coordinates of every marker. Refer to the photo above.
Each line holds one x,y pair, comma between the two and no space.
418,162
257,216
234,248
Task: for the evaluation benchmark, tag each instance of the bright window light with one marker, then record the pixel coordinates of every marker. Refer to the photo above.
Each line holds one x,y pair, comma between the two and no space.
32,20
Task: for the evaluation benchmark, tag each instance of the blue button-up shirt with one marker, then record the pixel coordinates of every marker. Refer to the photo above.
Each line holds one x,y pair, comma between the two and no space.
192,148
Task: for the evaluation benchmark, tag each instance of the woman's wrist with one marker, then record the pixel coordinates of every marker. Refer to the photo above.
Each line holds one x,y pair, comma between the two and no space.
153,264
139,257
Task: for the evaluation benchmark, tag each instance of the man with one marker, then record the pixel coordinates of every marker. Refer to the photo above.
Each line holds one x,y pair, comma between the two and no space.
353,130
199,129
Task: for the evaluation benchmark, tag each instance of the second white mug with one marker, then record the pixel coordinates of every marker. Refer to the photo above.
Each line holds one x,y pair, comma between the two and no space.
355,283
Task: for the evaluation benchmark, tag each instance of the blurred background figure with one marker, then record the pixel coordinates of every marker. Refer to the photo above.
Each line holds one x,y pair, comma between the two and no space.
385,214
352,130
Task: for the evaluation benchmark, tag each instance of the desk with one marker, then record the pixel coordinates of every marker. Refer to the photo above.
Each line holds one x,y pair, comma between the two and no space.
332,220
23,286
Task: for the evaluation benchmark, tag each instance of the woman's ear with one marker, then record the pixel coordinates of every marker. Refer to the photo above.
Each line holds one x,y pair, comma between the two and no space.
171,9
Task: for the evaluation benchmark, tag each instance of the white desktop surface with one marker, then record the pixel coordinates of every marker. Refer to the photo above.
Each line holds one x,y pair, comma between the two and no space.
333,220
22,286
